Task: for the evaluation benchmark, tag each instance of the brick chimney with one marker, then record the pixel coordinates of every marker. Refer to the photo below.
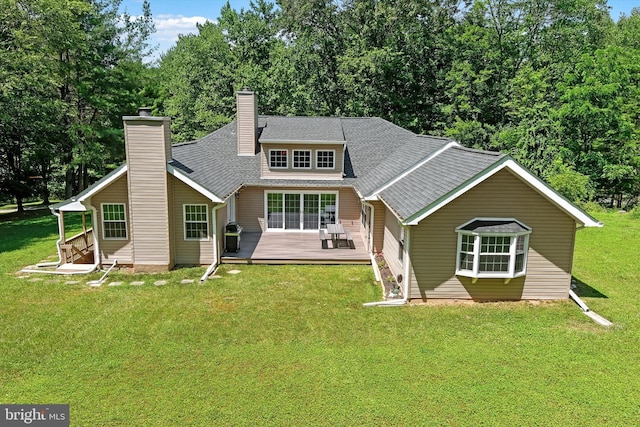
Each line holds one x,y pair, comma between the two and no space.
247,122
148,148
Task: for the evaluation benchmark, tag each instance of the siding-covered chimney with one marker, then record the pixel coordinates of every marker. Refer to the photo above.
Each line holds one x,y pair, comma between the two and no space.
148,147
247,122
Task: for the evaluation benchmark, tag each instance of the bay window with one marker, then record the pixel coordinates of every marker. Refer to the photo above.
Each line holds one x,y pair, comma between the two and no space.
492,248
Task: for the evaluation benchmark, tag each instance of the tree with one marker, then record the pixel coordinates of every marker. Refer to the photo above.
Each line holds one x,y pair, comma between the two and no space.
599,117
197,83
315,35
100,55
29,106
200,74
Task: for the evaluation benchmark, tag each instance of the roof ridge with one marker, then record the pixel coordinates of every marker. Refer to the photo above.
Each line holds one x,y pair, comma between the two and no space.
180,144
418,164
444,138
477,151
277,116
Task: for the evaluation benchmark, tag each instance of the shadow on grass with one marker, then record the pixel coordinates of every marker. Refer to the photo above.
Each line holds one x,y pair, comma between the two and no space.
19,230
584,290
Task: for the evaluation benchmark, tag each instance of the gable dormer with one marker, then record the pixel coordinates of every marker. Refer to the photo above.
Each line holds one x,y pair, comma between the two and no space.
302,148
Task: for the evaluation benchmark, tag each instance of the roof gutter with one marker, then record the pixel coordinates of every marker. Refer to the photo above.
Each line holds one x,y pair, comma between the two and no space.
527,177
193,184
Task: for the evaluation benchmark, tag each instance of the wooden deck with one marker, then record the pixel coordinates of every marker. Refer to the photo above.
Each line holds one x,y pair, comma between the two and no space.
294,248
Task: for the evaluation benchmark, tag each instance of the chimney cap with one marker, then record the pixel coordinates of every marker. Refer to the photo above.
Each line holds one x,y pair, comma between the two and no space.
144,111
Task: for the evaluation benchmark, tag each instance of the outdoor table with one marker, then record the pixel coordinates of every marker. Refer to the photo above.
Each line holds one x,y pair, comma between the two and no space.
335,230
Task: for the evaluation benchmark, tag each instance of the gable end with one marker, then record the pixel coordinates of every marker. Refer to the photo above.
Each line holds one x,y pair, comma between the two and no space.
580,216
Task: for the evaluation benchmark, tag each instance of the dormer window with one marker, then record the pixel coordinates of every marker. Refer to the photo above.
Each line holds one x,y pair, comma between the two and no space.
492,248
278,159
302,159
325,159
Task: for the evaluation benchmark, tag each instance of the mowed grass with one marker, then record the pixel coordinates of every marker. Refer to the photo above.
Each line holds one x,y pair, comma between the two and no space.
292,345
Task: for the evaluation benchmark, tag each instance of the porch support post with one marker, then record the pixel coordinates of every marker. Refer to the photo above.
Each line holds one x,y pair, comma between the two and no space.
63,238
84,228
61,231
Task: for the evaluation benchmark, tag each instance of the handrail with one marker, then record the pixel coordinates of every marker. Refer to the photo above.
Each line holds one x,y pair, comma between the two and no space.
80,244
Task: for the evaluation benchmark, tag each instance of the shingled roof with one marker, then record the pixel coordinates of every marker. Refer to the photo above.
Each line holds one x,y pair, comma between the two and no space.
436,178
410,171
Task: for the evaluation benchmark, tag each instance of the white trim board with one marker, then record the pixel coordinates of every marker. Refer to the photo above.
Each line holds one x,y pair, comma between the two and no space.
191,183
76,205
534,182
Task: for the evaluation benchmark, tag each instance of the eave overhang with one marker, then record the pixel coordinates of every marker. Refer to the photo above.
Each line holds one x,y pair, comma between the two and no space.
177,173
76,203
300,142
581,217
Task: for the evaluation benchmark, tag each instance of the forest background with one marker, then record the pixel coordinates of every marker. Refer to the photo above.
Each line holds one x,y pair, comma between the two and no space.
554,84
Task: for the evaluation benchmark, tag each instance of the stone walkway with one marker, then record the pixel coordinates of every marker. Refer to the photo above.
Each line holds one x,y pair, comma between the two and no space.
149,280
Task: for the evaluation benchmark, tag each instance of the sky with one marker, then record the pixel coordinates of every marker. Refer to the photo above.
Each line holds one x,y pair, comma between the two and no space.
173,17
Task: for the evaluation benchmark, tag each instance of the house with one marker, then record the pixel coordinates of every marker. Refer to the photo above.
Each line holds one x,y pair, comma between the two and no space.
451,222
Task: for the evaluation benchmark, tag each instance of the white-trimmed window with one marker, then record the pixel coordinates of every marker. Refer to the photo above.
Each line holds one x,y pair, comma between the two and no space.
114,221
196,222
301,159
325,159
492,247
278,159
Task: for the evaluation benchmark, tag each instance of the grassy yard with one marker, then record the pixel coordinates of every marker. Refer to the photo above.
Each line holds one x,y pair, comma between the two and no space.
294,346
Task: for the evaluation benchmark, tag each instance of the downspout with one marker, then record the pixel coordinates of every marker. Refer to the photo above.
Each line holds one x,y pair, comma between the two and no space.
407,270
216,255
376,272
585,309
58,243
97,259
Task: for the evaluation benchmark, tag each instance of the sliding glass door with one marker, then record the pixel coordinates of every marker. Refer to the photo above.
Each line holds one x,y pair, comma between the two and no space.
275,210
300,210
291,211
310,209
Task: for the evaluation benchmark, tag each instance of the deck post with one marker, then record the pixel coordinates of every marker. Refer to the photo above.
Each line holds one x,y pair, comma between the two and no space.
84,228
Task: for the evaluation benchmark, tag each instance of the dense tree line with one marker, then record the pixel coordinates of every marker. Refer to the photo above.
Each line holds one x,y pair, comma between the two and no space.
69,69
554,83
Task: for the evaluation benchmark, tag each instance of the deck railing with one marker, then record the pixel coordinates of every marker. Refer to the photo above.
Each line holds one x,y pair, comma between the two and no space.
79,248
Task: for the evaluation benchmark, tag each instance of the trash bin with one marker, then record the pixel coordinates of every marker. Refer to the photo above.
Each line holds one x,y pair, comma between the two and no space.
232,237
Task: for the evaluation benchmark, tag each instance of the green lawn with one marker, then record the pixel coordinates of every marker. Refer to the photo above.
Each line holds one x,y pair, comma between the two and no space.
294,346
